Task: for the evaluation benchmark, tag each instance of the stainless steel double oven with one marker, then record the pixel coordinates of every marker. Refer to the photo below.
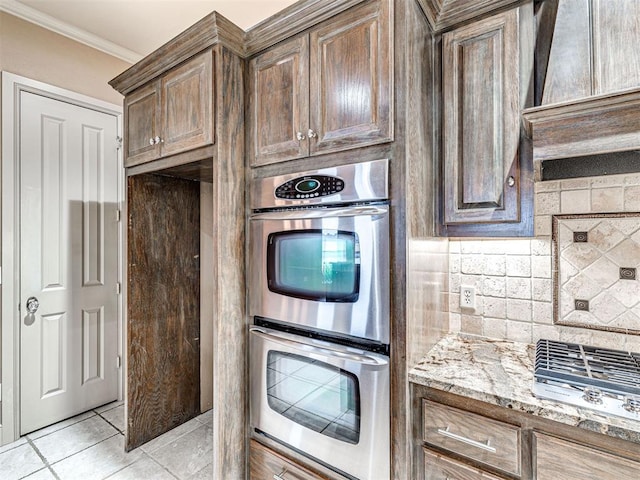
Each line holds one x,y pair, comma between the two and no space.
319,302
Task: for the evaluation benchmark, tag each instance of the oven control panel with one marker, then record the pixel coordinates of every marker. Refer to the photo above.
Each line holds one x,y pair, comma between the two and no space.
309,186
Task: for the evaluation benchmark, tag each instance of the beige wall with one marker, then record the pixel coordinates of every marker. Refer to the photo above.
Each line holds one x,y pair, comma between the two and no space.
39,54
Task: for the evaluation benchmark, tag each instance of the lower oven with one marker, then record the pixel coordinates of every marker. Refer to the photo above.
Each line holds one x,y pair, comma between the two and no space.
326,401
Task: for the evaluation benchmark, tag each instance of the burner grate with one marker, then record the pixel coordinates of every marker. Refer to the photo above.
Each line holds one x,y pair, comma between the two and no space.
580,366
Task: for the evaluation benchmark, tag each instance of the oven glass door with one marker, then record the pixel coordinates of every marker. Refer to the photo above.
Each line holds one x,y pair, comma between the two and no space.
320,265
327,401
323,269
314,394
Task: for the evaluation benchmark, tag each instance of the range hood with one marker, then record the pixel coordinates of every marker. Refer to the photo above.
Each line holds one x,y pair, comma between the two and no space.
587,89
598,135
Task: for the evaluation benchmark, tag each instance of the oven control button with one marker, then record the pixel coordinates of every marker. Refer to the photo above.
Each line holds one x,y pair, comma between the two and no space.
632,404
309,187
592,395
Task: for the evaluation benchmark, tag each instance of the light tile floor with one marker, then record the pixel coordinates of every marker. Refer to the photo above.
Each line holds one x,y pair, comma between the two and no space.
91,447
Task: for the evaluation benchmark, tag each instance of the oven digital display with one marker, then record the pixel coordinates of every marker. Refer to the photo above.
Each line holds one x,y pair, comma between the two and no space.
319,265
314,394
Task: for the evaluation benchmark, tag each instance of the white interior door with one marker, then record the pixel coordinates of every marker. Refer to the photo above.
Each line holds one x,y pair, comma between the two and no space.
68,260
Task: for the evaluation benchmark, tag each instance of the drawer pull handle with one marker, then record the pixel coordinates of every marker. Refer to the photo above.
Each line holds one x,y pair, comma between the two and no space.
468,441
280,476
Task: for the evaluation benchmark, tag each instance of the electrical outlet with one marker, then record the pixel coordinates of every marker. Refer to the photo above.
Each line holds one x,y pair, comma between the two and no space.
467,297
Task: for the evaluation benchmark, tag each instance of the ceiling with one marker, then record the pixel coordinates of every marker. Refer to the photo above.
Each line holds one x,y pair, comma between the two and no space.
131,29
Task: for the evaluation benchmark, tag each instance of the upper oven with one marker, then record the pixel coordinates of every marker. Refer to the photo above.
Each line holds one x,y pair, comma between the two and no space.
320,251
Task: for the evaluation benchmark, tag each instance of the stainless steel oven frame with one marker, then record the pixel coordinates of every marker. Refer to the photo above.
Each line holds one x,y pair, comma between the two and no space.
368,316
369,458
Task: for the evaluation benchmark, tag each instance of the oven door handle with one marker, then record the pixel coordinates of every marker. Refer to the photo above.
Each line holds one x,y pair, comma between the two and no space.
366,210
333,352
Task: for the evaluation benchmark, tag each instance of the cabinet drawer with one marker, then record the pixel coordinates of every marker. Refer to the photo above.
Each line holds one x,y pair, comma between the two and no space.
267,465
555,458
473,436
437,467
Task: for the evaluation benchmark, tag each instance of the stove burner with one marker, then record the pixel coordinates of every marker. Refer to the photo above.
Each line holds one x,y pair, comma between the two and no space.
596,378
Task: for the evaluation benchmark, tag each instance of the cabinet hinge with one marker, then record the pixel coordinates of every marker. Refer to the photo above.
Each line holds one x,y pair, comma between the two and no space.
118,288
118,361
118,143
118,215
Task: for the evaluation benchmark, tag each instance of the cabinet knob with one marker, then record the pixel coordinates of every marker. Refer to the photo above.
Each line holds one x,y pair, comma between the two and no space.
312,134
157,140
511,181
280,476
300,136
152,141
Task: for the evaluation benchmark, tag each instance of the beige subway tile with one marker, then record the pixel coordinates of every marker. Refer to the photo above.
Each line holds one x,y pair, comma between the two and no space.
575,201
542,225
548,186
542,289
632,343
519,288
454,246
547,203
541,266
575,184
495,265
494,327
542,313
454,303
494,286
520,310
545,332
471,324
575,335
518,265
471,246
454,263
495,307
541,246
519,331
472,264
632,179
608,180
454,322
632,198
607,199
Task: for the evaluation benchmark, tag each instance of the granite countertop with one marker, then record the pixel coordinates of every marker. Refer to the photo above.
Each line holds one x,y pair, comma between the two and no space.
500,372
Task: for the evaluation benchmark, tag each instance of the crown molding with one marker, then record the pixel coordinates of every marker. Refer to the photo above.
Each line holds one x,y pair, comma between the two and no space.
79,35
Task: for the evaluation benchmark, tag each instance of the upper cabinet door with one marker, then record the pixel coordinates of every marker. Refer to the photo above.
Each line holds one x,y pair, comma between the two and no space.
482,104
187,100
142,124
280,103
350,80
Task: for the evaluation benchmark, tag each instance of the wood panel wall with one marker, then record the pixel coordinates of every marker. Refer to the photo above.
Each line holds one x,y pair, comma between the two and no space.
163,308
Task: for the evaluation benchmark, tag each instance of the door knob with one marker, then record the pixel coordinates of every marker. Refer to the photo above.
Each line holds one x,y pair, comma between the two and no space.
32,305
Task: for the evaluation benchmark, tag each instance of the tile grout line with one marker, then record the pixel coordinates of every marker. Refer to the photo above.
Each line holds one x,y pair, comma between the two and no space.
42,457
103,418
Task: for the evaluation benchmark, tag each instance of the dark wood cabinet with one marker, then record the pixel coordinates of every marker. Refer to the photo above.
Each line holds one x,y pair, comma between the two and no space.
265,464
558,458
487,70
466,439
326,91
172,114
440,467
280,81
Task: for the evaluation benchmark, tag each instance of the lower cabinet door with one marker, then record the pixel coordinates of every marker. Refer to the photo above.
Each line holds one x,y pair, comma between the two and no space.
555,459
439,467
265,464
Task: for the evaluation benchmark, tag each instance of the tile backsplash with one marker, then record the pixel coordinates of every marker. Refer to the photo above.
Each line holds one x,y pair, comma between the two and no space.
595,259
513,278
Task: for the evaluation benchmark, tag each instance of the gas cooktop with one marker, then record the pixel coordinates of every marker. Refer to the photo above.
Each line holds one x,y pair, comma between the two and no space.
596,378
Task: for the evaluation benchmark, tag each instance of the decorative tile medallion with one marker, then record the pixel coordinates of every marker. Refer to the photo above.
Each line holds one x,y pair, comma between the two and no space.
596,257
